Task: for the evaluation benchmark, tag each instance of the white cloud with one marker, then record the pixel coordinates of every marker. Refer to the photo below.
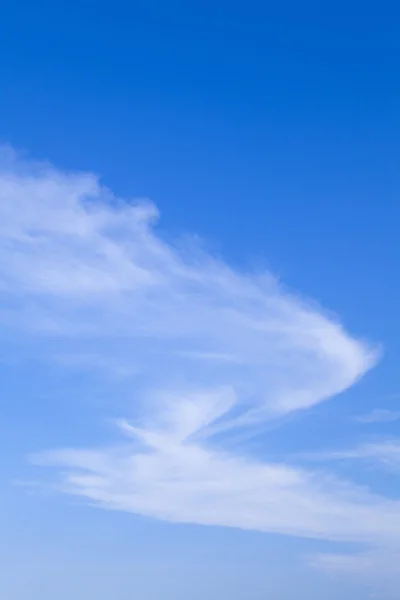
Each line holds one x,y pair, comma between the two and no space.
381,564
161,474
385,453
380,415
209,350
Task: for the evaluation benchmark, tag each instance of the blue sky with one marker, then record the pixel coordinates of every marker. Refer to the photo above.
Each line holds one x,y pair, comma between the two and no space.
199,304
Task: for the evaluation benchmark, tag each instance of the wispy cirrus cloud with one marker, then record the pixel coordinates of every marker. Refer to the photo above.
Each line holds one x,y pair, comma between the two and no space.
209,351
385,453
380,415
379,565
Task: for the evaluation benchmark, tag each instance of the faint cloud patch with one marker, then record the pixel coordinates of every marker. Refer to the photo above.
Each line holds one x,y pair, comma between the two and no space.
379,415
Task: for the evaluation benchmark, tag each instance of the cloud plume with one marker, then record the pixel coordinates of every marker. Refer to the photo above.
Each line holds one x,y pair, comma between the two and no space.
209,351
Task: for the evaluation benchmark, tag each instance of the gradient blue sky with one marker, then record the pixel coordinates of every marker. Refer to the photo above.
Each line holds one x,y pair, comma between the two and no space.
199,339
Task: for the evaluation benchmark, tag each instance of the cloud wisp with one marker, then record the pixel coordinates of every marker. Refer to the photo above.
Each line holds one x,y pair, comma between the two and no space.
384,453
208,350
380,415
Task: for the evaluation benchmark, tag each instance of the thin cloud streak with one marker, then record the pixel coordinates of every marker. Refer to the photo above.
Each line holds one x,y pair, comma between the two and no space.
380,415
381,564
384,453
